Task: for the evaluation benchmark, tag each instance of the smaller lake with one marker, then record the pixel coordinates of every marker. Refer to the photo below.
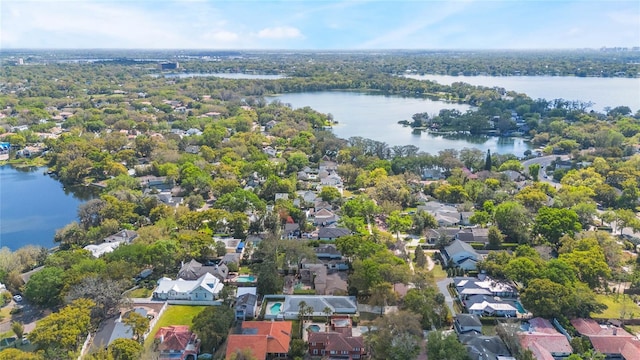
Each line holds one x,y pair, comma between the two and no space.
376,117
223,76
602,92
34,205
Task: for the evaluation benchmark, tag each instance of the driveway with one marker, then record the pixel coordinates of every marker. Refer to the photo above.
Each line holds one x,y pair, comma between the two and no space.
443,287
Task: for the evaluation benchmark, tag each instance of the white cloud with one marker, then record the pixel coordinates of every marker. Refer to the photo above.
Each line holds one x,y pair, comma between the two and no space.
280,32
221,35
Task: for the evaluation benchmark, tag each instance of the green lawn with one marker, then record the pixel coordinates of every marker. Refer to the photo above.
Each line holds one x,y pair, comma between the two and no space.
140,293
174,315
438,273
616,305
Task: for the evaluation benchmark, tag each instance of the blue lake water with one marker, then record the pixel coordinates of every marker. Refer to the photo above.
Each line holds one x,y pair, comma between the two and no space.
603,92
33,206
376,117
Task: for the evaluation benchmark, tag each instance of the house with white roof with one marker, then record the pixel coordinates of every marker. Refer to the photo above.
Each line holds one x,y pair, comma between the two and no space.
205,288
486,308
460,254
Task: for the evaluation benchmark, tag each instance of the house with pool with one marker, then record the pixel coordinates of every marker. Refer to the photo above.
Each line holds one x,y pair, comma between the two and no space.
287,307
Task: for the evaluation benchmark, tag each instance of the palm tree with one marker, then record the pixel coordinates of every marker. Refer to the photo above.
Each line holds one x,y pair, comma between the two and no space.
327,312
302,312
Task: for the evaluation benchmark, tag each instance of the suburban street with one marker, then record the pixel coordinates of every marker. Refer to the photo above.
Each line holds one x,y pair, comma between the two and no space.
543,161
442,286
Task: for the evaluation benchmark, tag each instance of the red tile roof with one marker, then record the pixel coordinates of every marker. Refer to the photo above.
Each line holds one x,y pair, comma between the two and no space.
609,339
174,337
270,337
543,338
334,341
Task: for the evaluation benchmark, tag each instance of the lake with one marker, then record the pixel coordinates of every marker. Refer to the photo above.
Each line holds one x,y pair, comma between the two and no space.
376,117
34,205
602,92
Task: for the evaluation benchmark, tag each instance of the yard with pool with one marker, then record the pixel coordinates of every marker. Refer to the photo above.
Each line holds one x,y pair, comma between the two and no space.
245,279
274,308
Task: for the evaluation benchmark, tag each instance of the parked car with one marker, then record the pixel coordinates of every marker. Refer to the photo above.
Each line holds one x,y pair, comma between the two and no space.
17,298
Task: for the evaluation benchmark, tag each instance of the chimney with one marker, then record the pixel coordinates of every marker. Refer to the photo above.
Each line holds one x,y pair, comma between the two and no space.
615,331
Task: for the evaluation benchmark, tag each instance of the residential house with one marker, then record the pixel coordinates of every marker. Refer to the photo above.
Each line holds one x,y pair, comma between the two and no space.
322,280
491,308
332,233
338,342
327,165
544,340
465,323
513,175
177,342
468,286
205,288
612,341
192,149
122,236
432,174
246,300
328,252
101,249
264,339
473,235
441,234
193,270
114,328
291,231
279,196
269,151
324,217
270,125
460,254
289,307
231,258
481,347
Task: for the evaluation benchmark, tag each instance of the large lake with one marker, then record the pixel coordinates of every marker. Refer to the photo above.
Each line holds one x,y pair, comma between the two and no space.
33,206
376,117
602,92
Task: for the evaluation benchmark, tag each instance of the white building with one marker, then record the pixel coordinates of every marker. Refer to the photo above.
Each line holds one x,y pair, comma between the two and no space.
205,288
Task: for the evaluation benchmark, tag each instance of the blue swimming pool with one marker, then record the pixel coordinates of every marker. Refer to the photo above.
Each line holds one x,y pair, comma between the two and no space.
519,307
314,328
245,278
274,309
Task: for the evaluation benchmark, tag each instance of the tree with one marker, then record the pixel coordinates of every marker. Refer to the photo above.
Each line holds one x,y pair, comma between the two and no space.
495,238
401,324
15,354
44,287
420,257
125,349
244,354
382,295
139,324
60,333
423,221
545,298
18,328
212,326
106,293
330,194
487,161
522,269
221,248
398,222
553,223
534,171
513,221
441,347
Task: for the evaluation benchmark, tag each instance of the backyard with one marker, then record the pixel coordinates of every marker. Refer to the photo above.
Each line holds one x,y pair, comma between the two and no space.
174,315
616,306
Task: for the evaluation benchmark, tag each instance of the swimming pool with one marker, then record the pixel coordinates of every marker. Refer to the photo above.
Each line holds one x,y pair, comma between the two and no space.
519,307
245,278
274,309
314,328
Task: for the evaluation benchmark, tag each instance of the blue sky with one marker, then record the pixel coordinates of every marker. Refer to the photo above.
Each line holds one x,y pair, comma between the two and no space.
348,24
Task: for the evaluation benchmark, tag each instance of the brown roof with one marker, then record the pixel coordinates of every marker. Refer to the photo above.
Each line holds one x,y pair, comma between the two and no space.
266,337
174,337
543,337
334,341
608,339
590,328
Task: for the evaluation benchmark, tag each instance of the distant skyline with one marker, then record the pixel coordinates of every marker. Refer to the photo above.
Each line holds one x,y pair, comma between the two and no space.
318,25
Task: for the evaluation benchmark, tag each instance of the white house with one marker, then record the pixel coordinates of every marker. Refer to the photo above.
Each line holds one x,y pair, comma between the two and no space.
461,254
493,309
205,288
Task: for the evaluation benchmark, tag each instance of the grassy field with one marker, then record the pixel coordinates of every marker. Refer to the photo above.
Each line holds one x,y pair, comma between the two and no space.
174,315
615,306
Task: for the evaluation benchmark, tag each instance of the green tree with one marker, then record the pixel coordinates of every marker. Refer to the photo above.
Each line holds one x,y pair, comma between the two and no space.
212,326
18,328
420,257
553,223
487,161
513,221
330,194
139,324
495,238
441,347
522,269
398,222
534,171
402,324
125,349
59,334
544,298
45,286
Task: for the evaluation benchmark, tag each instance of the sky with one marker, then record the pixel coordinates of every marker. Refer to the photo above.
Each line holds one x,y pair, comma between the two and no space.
318,25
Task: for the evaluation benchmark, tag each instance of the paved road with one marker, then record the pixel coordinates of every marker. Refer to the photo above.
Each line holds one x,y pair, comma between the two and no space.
442,286
543,161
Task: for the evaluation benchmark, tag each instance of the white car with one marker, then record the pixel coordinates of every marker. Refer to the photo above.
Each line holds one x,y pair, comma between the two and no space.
17,298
